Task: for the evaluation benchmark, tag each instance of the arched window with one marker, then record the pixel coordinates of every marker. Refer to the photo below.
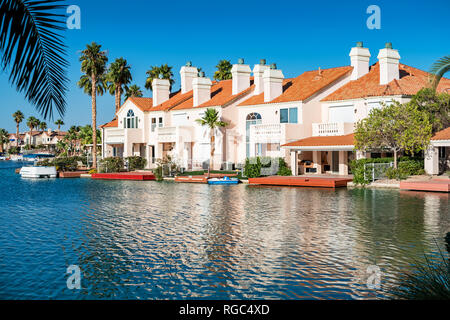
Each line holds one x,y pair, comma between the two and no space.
252,118
131,121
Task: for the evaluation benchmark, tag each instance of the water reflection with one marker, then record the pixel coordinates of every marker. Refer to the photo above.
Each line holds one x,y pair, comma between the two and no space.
149,240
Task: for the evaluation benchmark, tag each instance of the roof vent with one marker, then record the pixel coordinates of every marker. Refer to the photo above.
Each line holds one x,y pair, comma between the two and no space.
201,74
262,62
189,64
273,66
160,76
359,44
388,45
241,61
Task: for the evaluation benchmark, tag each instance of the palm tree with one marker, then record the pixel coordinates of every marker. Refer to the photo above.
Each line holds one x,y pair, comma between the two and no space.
439,68
59,123
85,83
93,64
18,118
32,49
4,138
43,126
155,72
223,70
119,76
32,123
133,91
211,119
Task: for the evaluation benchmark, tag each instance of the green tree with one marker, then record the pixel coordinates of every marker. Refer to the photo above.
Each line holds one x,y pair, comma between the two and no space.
437,105
43,126
439,68
133,91
212,121
118,78
59,123
18,118
85,83
32,49
223,70
155,72
85,135
396,127
32,123
4,138
93,64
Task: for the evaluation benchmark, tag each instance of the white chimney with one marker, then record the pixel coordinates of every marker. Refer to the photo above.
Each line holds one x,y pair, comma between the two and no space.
202,89
258,72
389,61
241,77
187,73
273,83
161,91
359,57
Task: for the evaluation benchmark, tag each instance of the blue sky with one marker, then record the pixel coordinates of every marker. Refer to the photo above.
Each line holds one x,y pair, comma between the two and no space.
297,35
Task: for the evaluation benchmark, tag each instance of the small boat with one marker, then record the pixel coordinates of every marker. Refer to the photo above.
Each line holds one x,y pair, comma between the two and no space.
38,172
224,180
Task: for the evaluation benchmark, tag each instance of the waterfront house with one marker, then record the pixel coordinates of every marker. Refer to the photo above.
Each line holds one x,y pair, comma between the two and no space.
437,157
331,145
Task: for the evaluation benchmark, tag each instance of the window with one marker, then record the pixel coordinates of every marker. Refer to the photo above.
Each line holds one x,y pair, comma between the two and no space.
160,122
153,124
252,118
341,114
289,115
131,121
442,154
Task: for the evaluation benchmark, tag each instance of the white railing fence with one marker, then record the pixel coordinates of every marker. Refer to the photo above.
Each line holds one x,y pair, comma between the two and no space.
328,129
376,171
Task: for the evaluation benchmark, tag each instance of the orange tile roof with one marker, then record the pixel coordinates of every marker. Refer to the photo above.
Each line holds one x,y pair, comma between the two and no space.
303,86
411,80
112,124
442,135
346,140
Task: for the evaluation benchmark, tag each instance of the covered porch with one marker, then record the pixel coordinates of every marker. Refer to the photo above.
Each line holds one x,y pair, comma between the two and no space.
437,157
322,155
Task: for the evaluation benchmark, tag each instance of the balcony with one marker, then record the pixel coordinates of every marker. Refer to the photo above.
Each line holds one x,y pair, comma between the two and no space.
167,134
331,129
115,136
266,133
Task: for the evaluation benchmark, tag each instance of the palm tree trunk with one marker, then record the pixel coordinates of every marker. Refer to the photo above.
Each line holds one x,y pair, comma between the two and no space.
94,122
17,135
211,159
119,97
116,100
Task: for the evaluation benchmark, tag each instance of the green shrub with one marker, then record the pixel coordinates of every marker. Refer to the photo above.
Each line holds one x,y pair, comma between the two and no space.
283,168
136,163
111,164
92,171
412,167
158,172
252,167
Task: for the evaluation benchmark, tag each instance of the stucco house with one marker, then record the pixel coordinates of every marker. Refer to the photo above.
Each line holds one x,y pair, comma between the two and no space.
437,157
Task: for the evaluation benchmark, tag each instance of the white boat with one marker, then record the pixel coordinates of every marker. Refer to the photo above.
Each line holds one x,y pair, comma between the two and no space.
2,158
38,172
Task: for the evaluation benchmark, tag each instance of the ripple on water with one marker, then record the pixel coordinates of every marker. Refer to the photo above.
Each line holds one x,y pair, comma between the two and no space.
147,240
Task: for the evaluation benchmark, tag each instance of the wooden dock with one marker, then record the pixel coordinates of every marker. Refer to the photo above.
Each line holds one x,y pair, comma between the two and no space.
435,185
71,174
298,181
139,176
201,179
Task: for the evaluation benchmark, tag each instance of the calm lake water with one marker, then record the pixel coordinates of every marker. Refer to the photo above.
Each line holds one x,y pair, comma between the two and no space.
149,240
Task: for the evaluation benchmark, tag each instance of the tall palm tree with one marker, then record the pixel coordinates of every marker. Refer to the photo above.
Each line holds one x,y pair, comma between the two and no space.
223,70
85,83
212,121
133,91
33,52
119,76
93,64
439,68
43,126
32,123
59,123
154,73
18,118
4,138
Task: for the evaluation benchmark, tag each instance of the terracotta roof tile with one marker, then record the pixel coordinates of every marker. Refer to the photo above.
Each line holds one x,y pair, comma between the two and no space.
112,124
411,80
346,140
442,135
303,86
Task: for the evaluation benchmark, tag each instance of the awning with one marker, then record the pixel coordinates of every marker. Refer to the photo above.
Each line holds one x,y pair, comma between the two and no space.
323,143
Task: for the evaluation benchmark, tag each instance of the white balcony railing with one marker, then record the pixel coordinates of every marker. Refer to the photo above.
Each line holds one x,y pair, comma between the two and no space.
167,134
115,136
328,129
265,133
